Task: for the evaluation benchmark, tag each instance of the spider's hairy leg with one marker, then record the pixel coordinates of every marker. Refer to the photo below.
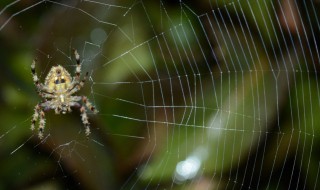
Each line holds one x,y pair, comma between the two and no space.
40,86
84,118
84,115
34,74
84,80
57,110
47,95
35,116
38,113
76,86
41,124
89,105
78,68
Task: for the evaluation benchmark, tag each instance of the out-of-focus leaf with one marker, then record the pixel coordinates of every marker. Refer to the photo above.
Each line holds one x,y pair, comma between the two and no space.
306,126
239,108
259,14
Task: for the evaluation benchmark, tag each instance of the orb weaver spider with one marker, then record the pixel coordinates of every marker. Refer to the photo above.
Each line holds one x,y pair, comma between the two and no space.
57,93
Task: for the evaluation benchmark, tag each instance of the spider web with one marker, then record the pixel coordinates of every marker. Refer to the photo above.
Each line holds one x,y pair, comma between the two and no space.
207,95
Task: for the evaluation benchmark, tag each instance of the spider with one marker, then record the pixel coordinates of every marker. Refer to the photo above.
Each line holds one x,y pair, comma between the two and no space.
57,93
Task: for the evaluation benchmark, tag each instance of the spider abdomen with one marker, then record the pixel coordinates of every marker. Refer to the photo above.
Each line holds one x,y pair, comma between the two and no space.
58,79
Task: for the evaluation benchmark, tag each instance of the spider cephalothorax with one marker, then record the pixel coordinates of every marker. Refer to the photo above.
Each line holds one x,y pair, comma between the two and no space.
57,93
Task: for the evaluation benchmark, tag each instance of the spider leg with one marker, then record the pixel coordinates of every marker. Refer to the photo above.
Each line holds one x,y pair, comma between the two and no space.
41,124
40,86
76,86
85,121
35,116
84,115
34,75
38,113
89,105
78,68
47,95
